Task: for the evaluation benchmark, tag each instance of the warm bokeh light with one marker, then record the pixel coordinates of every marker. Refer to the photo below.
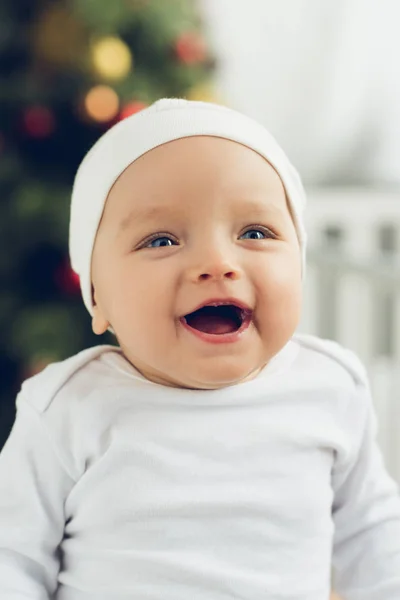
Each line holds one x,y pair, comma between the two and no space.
203,92
112,58
191,48
131,108
39,121
101,103
59,37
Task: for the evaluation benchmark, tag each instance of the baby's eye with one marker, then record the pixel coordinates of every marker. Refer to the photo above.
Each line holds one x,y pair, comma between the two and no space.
257,234
159,242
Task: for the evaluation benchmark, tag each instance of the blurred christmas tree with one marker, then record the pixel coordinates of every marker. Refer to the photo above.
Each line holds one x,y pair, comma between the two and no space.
69,69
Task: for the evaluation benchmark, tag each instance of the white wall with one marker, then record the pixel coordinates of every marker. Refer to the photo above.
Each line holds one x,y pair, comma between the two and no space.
323,76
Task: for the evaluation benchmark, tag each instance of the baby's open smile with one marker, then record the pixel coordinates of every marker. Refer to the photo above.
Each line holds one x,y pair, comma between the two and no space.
219,321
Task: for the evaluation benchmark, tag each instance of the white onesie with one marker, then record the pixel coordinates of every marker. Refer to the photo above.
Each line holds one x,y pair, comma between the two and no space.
116,488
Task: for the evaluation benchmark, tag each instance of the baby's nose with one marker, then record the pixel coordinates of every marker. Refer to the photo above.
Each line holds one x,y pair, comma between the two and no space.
218,274
214,268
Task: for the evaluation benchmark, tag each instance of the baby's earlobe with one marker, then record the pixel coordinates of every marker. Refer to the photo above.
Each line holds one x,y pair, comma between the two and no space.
99,322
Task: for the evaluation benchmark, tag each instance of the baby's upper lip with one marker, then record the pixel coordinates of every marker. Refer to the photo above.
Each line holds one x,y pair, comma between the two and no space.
221,302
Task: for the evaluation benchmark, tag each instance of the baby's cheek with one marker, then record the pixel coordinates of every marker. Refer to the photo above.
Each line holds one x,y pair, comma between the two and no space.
279,283
280,308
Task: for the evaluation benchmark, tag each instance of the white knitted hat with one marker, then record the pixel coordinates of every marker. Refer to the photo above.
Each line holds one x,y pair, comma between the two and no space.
163,121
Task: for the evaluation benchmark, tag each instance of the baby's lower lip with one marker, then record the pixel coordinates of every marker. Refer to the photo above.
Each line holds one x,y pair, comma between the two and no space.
223,338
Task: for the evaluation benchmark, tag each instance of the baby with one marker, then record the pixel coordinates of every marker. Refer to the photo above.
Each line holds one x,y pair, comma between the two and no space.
213,454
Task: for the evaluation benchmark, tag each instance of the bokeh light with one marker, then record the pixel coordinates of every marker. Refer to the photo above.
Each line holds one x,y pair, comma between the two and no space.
101,103
112,58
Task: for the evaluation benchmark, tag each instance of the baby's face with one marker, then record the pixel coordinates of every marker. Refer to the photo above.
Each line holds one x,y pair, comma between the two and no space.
193,222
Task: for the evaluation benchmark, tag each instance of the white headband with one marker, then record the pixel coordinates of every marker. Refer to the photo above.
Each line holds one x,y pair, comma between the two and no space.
163,121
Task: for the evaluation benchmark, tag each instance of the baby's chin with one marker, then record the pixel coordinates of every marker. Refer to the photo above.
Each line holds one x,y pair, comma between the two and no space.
218,377
200,372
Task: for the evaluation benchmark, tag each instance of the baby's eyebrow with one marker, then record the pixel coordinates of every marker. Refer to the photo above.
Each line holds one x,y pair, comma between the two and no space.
146,214
262,207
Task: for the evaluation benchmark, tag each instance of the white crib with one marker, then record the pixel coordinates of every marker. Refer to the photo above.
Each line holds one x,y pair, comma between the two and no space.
352,291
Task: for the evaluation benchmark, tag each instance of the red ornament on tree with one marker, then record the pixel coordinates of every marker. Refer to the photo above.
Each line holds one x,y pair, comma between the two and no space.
190,48
67,280
39,121
131,108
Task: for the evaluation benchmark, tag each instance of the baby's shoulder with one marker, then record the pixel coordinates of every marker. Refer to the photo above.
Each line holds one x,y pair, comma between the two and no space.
71,400
331,359
77,375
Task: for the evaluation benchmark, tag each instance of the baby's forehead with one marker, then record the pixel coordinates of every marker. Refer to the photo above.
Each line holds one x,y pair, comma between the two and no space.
194,164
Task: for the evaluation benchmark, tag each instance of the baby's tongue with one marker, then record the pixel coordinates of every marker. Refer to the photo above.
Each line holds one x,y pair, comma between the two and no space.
211,321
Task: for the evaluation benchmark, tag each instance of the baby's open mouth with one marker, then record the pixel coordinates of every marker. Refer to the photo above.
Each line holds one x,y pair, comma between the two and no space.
218,319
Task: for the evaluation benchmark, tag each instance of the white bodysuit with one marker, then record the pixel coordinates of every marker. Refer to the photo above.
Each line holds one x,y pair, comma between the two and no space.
116,488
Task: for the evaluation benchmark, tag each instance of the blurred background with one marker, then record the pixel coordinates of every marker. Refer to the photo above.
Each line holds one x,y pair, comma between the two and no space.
70,69
322,76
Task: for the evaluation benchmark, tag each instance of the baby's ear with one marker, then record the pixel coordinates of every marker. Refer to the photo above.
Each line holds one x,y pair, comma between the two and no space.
99,321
